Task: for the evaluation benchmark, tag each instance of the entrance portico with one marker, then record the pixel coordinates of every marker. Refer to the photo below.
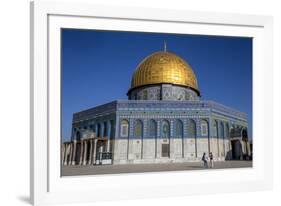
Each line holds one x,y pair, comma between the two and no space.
87,151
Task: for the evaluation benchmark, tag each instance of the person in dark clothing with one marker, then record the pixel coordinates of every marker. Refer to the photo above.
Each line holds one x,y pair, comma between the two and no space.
211,160
204,159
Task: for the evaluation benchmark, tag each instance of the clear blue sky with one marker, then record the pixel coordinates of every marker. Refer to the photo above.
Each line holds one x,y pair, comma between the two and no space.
97,67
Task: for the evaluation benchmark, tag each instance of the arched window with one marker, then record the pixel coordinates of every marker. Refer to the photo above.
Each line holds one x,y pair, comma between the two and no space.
179,128
204,128
221,130
152,128
138,128
78,136
215,128
191,128
165,129
124,128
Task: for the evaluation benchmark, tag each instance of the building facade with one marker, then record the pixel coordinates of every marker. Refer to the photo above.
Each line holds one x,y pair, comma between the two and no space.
163,120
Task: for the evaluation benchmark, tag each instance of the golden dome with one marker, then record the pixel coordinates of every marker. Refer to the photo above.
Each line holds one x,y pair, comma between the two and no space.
164,67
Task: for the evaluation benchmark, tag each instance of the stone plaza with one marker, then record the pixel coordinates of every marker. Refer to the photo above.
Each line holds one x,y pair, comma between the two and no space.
140,168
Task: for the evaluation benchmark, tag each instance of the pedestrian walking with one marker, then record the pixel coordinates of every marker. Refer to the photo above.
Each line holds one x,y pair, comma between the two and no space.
204,159
211,160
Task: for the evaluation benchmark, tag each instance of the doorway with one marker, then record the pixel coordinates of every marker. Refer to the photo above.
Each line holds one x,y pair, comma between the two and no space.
165,150
236,149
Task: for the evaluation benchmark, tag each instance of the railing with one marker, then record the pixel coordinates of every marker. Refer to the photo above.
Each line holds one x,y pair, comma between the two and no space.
103,156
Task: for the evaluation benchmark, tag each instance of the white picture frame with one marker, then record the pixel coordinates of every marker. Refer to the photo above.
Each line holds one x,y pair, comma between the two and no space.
47,186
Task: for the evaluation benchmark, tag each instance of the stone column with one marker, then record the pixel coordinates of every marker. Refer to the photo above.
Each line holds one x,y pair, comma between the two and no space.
94,150
230,149
96,129
62,153
218,145
74,153
66,154
85,153
81,152
108,136
224,153
210,135
70,155
222,138
91,152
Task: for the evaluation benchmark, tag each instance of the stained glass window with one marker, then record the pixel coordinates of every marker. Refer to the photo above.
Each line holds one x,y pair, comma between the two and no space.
165,129
191,125
124,128
138,128
179,128
152,129
204,128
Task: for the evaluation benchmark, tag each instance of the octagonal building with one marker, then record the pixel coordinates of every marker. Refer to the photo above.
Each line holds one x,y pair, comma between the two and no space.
164,120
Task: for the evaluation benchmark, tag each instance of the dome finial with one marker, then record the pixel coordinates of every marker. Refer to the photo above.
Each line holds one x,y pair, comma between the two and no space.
165,46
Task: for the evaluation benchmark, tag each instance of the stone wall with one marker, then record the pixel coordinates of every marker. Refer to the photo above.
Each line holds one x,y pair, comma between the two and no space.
213,126
144,151
135,151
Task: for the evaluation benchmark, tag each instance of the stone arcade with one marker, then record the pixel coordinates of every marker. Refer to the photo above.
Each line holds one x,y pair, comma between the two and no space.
163,120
